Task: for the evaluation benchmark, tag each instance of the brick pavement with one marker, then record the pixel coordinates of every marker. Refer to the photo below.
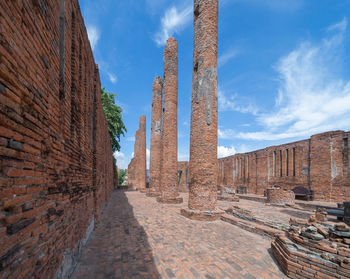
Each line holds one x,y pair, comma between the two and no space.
140,238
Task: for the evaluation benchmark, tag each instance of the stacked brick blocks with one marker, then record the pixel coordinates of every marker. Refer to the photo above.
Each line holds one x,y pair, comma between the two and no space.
203,139
314,250
156,136
55,150
169,188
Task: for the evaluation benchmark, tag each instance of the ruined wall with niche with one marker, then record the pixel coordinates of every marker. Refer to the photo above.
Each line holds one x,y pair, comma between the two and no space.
55,152
319,163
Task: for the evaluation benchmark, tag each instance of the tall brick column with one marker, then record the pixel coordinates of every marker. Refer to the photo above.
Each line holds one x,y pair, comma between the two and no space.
203,140
169,191
156,134
141,171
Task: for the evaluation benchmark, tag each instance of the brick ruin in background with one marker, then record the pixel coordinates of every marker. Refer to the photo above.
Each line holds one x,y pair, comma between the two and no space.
137,172
156,134
183,176
55,149
203,140
320,163
277,196
168,170
141,167
131,172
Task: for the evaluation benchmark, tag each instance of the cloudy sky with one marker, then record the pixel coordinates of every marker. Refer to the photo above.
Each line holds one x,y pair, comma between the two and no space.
284,66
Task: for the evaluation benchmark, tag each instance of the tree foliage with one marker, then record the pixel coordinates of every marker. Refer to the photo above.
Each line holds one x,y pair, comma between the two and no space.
121,176
113,113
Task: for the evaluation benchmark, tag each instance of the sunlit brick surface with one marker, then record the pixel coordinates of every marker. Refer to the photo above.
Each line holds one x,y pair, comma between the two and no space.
140,238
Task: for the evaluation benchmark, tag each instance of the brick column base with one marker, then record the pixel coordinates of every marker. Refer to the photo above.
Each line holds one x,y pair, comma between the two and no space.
209,215
170,200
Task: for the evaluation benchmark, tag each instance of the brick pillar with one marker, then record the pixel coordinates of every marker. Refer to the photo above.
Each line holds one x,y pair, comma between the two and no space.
203,141
156,134
141,160
169,189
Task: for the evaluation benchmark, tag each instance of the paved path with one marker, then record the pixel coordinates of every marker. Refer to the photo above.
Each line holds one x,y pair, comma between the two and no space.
139,238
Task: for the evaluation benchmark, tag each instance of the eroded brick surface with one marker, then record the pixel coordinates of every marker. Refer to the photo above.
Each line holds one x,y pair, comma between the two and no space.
168,170
203,140
55,151
156,135
182,168
153,240
137,168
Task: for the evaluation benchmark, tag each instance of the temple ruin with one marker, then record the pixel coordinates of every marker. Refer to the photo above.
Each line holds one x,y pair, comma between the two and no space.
282,211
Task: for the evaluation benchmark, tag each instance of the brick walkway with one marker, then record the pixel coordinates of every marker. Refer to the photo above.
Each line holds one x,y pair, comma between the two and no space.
139,238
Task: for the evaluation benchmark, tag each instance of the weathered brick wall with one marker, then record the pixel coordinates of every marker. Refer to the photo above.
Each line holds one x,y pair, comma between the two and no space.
329,166
184,178
262,169
55,153
319,163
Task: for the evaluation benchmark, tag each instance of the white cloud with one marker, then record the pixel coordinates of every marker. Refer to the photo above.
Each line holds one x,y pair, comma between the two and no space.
122,161
172,22
313,96
183,157
148,155
131,139
94,35
226,133
113,78
232,103
227,56
224,151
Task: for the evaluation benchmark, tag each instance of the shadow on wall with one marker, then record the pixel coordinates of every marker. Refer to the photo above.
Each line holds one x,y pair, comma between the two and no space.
118,248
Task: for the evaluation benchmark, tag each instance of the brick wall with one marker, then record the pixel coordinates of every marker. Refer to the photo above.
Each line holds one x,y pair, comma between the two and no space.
319,163
183,176
55,153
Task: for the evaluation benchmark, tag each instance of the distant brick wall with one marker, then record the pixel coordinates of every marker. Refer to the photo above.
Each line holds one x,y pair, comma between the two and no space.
184,178
55,152
319,163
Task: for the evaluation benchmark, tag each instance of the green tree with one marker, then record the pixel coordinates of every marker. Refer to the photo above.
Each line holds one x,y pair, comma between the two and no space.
121,176
113,113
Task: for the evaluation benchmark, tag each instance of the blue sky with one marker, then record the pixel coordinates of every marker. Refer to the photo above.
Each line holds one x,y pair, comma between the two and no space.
283,66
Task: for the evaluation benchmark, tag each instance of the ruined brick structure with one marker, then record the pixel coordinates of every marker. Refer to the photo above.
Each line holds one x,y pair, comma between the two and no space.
280,196
55,151
168,170
183,176
137,168
320,163
203,140
131,172
156,134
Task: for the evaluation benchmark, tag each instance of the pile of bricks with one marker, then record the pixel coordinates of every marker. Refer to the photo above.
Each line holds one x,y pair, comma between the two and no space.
277,196
314,249
56,163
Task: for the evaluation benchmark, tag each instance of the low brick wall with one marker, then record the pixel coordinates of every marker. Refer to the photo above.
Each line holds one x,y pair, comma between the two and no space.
280,196
314,250
55,151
